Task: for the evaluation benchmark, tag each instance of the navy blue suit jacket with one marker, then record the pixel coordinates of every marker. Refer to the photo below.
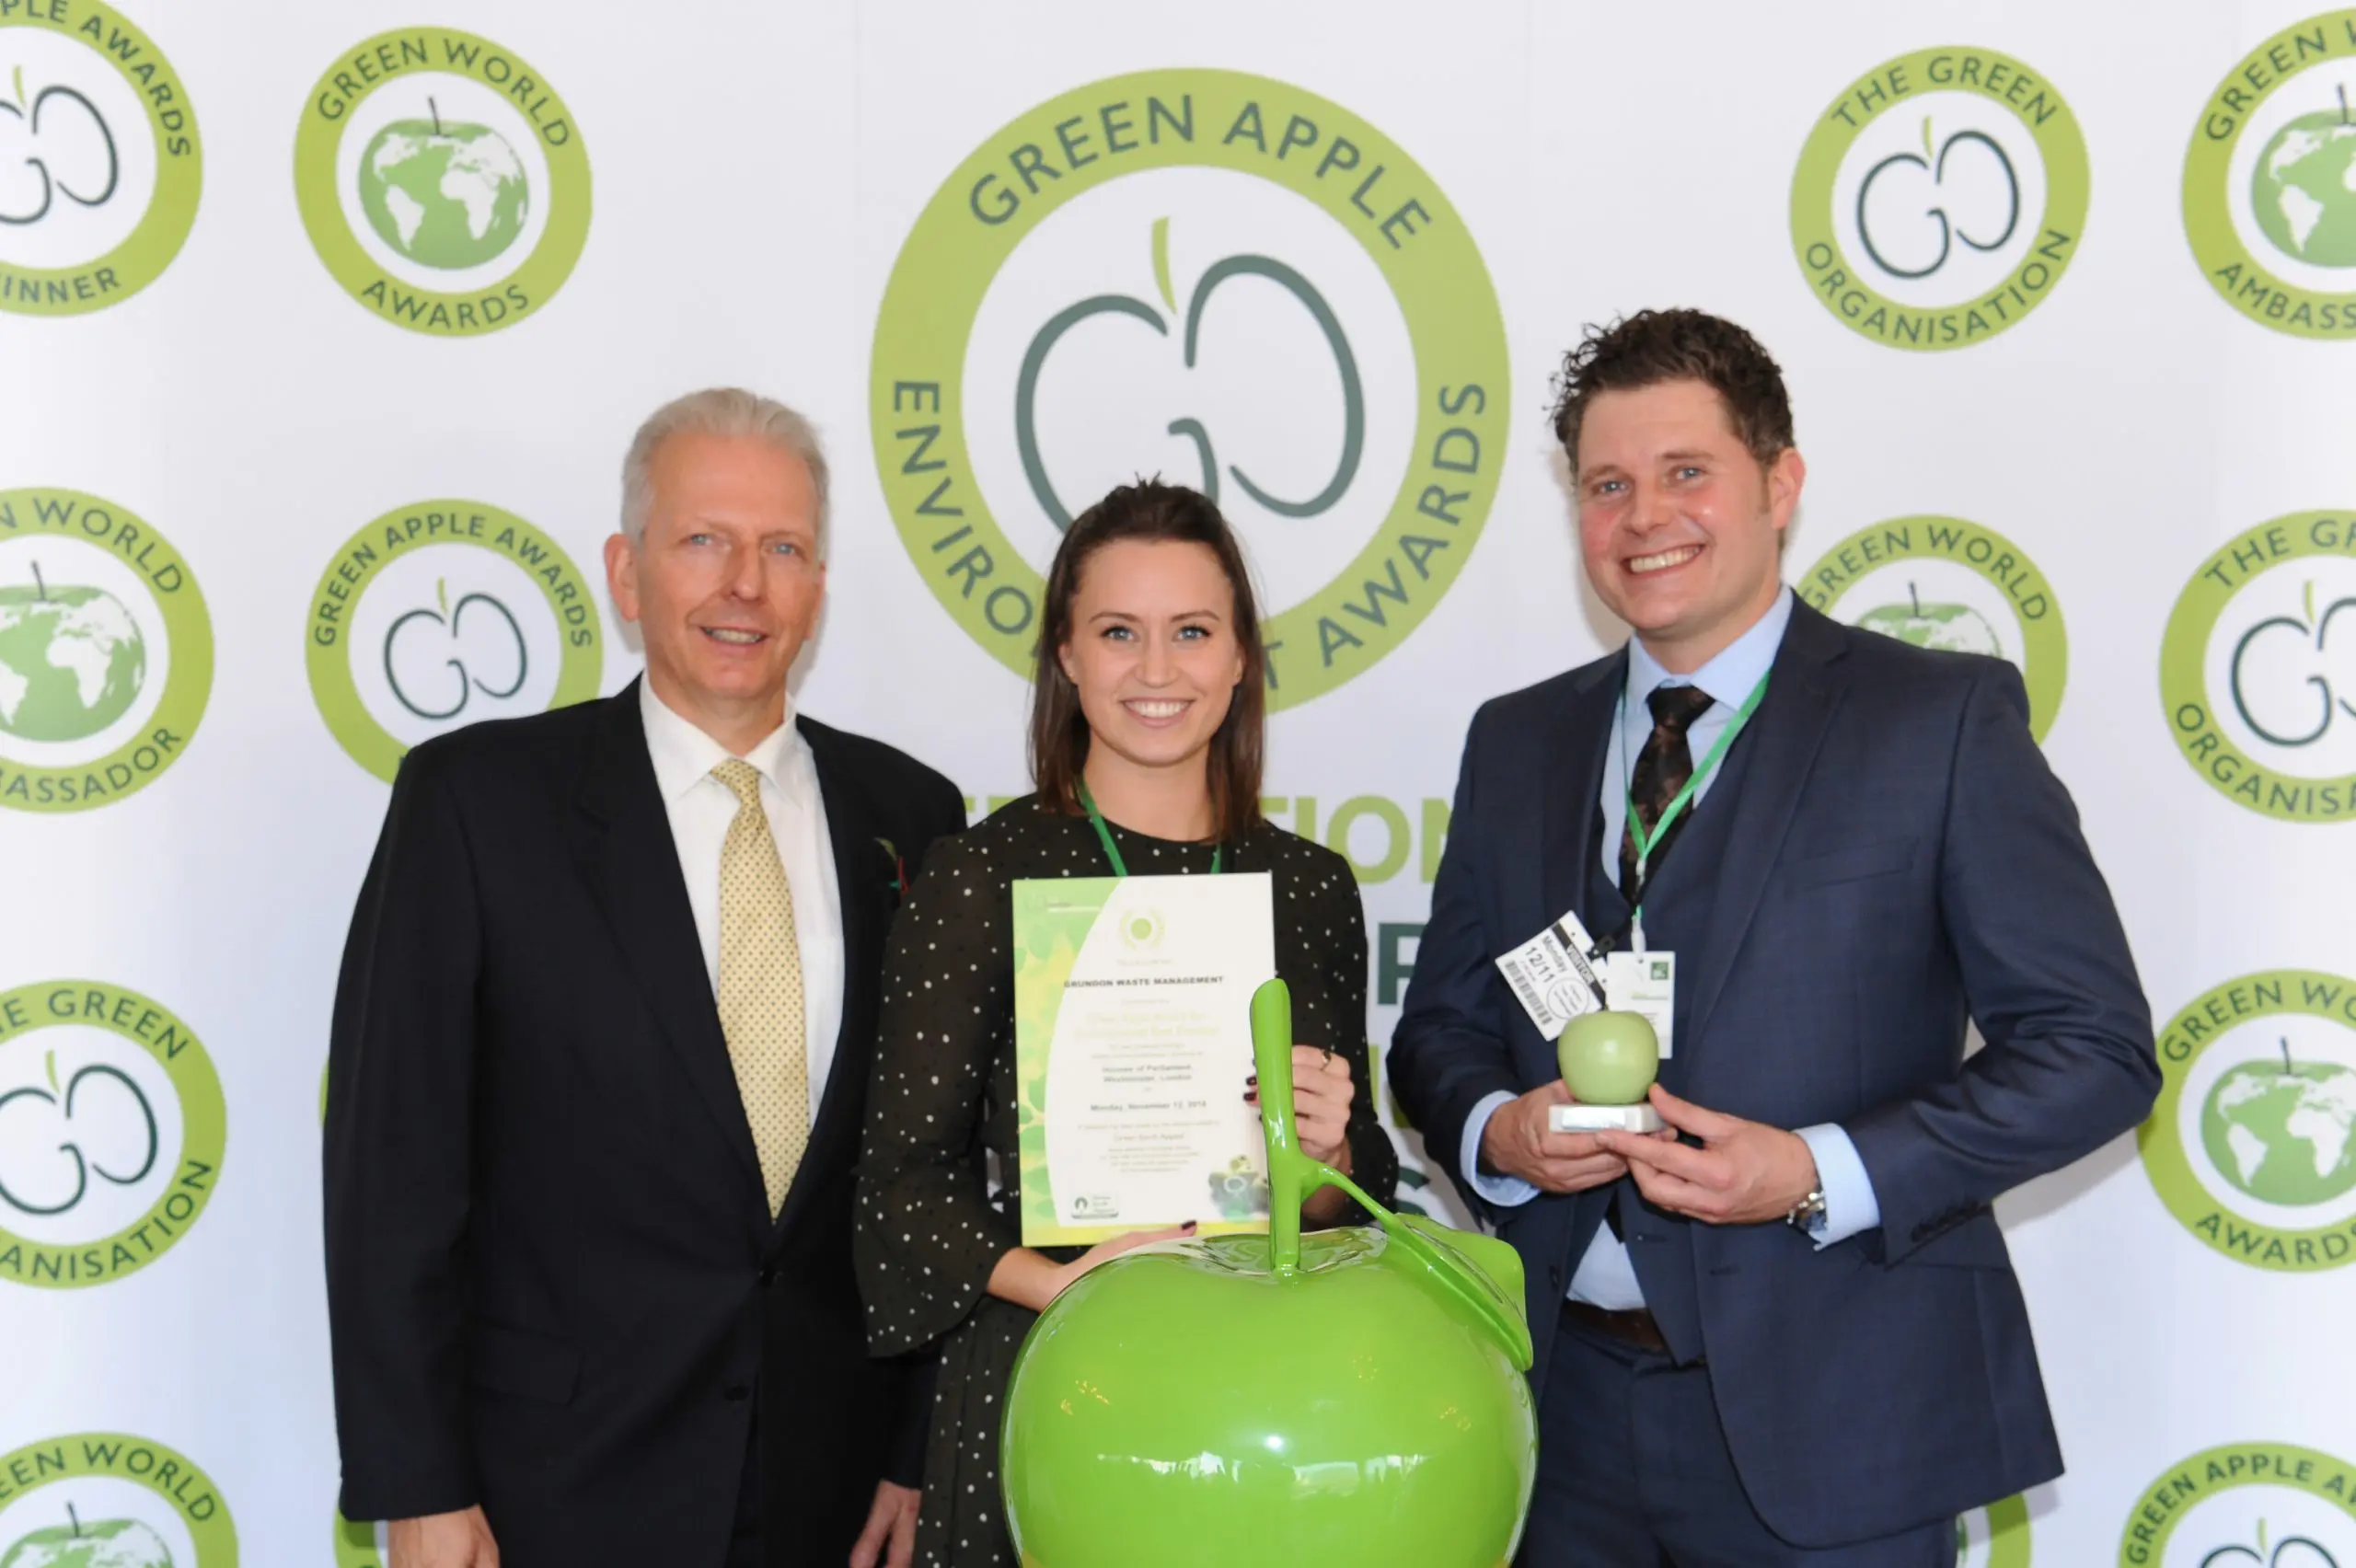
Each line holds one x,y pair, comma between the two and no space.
1901,861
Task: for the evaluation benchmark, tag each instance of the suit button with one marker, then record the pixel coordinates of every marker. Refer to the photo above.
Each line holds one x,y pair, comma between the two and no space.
737,1393
767,1278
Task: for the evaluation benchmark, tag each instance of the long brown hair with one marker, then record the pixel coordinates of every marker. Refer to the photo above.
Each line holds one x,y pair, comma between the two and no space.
1152,512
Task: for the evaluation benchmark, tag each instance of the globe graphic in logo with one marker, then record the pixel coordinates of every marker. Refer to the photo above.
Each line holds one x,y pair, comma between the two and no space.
99,1543
2303,190
2284,1133
443,192
1957,628
72,661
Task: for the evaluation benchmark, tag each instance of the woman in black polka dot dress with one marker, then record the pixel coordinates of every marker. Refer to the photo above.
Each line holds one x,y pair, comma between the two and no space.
1149,704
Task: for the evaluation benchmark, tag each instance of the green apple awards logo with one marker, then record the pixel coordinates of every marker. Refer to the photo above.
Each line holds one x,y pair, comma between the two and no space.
111,1133
1993,1536
2268,203
2258,668
1944,582
2252,1145
100,165
2246,1506
443,181
108,1500
1221,279
1940,198
438,615
105,652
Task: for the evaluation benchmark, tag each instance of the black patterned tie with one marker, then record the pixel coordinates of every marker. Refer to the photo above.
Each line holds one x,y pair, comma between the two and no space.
1663,766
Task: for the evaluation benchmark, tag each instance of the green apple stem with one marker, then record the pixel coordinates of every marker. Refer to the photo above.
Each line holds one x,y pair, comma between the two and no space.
74,1520
432,109
41,589
2287,1065
2343,103
1915,594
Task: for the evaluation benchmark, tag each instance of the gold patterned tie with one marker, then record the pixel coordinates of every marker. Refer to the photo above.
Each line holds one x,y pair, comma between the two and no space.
760,985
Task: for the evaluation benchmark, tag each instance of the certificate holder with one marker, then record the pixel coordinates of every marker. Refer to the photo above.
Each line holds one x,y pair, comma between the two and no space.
1133,1043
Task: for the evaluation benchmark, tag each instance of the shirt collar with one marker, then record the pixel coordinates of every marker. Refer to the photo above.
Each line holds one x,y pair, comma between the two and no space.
1729,677
684,756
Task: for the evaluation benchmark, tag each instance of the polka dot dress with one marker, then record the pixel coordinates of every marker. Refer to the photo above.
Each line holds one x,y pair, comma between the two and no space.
938,1202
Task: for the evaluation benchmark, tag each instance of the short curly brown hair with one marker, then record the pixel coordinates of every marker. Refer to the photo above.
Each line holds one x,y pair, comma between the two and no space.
1653,346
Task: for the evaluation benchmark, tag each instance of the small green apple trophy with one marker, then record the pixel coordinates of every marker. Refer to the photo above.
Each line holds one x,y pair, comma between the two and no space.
1355,1395
1609,1061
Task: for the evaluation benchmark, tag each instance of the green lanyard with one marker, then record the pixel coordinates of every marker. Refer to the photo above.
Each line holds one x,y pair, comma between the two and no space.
1647,842
1113,850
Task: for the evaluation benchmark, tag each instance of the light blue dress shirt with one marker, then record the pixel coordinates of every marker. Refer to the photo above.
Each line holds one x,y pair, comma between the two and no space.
1605,1277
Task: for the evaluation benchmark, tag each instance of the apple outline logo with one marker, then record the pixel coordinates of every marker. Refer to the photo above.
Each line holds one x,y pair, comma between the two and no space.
1042,343
2264,1559
1897,621
84,1165
449,618
153,1552
2321,631
456,136
1935,165
29,114
2261,166
2216,1129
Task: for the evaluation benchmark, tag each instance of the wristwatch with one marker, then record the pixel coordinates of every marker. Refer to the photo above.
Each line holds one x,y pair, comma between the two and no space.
1808,1214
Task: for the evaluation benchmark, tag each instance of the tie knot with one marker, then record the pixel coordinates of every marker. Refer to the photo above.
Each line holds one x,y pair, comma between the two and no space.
743,777
1675,706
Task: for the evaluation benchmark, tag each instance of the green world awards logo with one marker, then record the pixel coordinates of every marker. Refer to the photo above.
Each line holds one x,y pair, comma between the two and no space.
442,181
105,1500
1940,198
436,615
2253,1143
2246,1506
1993,1536
2269,202
100,165
111,1133
359,1543
105,652
1220,279
1944,582
2258,668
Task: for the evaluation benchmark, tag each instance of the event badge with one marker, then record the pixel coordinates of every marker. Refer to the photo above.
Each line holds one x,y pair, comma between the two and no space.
1645,983
1553,975
1133,1043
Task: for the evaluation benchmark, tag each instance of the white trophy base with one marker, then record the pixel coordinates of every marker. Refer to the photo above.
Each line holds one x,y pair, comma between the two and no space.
1604,1119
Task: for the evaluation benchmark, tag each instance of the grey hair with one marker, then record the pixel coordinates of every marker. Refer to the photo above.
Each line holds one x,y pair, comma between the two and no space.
726,412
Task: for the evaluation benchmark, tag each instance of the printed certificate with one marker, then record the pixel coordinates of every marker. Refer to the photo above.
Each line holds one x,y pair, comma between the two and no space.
1133,1040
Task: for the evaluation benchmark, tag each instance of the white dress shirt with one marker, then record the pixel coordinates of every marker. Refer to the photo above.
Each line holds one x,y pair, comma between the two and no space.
700,808
1605,1276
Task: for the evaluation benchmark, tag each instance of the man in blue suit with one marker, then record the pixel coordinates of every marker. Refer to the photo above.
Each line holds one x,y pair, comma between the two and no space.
1785,1330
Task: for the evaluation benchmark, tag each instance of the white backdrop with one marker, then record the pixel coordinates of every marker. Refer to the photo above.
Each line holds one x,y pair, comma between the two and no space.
381,313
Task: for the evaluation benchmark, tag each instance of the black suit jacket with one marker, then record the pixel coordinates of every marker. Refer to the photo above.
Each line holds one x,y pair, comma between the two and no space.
1900,861
553,1283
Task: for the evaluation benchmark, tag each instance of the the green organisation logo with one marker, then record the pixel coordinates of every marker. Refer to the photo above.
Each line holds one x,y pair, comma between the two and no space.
108,1500
1944,582
2270,181
1993,1536
101,164
358,1544
1940,198
2252,1145
1221,279
2246,1506
2258,668
442,181
111,1133
441,614
105,652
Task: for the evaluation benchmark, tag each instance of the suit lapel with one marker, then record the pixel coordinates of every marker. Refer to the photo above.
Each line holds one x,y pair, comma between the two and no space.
1802,697
863,875
632,863
1576,751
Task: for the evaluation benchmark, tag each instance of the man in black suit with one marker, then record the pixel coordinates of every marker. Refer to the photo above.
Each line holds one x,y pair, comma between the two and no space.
601,1046
1789,1332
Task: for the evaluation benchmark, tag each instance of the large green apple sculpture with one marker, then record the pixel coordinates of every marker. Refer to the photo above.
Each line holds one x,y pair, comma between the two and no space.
1354,1396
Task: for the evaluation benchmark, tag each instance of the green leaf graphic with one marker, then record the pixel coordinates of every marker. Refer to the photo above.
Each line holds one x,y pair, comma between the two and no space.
1162,262
1926,136
50,1062
442,595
